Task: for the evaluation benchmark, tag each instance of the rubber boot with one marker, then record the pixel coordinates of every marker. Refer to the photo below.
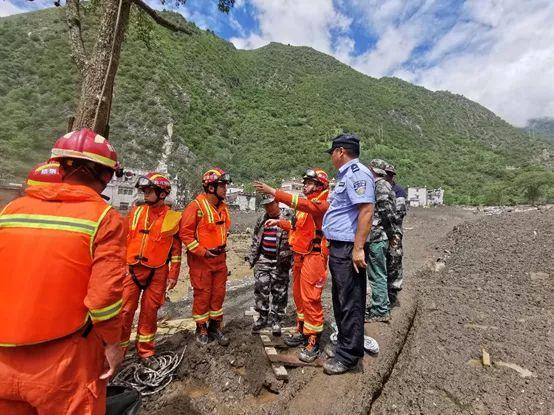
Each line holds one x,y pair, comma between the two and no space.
202,336
310,352
298,338
216,333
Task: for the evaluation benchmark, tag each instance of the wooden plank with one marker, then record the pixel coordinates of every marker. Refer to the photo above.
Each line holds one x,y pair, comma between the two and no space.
291,360
250,313
266,340
486,358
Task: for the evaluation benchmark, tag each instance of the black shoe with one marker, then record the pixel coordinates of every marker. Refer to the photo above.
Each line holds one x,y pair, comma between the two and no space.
150,363
295,340
216,333
202,336
335,367
276,328
259,325
330,350
311,351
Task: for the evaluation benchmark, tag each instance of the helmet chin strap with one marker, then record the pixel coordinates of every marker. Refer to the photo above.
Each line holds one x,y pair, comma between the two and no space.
158,198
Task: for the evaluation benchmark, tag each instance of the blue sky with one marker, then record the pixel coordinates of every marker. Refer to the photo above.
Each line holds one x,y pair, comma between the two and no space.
496,52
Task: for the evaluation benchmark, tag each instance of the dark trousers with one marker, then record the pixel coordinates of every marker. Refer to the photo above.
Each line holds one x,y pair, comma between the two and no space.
349,295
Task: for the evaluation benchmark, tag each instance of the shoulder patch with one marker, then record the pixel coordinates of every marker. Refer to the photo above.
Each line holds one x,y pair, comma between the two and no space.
359,187
355,168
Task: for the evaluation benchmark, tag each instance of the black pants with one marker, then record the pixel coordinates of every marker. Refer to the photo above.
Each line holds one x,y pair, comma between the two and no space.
349,298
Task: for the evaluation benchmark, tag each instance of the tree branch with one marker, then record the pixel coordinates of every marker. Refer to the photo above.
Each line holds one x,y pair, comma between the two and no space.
159,19
78,51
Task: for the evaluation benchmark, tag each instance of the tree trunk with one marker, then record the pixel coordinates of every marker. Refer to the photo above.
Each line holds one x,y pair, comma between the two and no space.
93,110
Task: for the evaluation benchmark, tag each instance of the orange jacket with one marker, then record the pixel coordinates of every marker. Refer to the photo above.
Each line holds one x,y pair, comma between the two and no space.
204,226
152,238
306,234
62,262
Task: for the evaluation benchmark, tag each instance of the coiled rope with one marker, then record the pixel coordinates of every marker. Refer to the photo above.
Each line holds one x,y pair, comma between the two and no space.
146,379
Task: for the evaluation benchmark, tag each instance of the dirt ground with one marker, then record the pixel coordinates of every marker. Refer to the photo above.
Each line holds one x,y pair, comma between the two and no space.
494,292
239,380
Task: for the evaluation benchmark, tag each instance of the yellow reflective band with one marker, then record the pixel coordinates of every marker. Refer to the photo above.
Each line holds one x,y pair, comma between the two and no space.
193,245
175,259
7,345
48,166
300,316
101,159
36,183
211,218
136,217
124,344
216,313
294,202
145,338
198,317
317,329
106,313
61,223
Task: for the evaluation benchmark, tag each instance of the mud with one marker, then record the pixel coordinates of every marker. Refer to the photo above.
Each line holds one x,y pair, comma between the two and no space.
494,292
239,380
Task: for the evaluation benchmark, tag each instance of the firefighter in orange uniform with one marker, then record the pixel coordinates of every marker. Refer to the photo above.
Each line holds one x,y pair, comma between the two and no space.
152,244
44,173
204,228
309,268
62,262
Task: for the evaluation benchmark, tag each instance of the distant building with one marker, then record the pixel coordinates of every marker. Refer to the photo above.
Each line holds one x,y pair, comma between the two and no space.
9,191
421,196
238,199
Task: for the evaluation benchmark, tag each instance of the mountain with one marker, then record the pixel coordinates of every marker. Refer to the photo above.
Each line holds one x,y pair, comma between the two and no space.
541,127
266,113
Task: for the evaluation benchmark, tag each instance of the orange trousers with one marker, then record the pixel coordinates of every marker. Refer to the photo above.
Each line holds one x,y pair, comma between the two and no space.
309,273
152,299
57,377
208,277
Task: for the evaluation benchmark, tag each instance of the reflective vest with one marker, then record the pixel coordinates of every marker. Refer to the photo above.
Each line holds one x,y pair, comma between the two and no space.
305,236
213,224
46,250
150,243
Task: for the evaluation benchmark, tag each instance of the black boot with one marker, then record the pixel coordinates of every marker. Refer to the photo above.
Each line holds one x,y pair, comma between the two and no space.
216,333
202,336
310,352
259,325
298,338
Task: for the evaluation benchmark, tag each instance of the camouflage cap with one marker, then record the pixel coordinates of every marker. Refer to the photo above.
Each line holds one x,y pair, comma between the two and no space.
390,169
267,199
378,166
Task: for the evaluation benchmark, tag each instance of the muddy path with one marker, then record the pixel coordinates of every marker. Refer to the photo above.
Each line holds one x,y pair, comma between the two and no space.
496,293
239,380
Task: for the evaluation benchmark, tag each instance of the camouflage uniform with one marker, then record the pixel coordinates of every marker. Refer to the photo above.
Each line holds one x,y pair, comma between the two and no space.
271,276
384,229
395,253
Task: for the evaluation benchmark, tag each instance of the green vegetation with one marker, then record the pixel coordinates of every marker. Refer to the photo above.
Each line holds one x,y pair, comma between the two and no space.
542,127
267,113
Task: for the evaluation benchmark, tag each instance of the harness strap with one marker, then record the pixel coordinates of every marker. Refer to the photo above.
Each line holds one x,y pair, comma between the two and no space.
148,279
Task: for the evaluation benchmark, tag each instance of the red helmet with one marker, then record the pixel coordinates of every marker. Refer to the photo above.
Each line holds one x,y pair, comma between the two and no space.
85,144
317,175
44,173
154,179
214,176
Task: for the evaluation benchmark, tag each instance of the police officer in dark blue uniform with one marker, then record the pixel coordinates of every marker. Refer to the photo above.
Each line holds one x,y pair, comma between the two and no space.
346,226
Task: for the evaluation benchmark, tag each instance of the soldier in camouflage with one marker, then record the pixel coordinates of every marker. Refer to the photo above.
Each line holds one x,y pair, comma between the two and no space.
271,257
394,255
384,230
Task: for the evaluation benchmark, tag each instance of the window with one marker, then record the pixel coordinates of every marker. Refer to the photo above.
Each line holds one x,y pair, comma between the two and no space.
124,206
124,191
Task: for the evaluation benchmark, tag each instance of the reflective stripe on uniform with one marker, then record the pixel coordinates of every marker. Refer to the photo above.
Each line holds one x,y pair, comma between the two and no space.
300,316
62,223
136,217
294,201
198,317
145,338
208,210
175,259
317,329
102,314
124,343
193,245
216,313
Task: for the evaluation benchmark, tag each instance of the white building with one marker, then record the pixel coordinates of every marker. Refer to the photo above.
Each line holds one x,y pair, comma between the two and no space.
238,199
420,196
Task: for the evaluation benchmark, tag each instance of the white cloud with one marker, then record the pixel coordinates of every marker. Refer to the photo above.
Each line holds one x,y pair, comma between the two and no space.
295,22
7,9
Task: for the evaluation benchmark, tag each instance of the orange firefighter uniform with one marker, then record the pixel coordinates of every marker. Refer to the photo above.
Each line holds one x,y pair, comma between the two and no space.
62,264
309,269
205,226
152,244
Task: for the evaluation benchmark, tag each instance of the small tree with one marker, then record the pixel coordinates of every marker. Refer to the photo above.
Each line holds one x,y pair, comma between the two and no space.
533,185
99,67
